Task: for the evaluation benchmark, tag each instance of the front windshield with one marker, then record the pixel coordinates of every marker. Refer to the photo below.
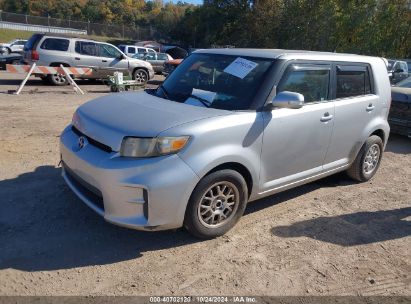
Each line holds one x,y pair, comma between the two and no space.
406,83
216,81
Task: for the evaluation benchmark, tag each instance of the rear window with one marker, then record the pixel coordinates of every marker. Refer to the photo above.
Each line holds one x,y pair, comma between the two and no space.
32,42
55,44
353,81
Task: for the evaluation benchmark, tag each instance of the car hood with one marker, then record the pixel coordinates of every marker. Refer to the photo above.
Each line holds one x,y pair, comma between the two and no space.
401,94
110,118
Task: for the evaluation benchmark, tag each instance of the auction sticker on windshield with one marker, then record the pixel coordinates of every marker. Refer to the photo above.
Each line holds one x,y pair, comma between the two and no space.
240,67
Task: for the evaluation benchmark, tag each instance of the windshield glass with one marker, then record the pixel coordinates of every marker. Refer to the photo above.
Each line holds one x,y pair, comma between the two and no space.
216,81
406,83
390,63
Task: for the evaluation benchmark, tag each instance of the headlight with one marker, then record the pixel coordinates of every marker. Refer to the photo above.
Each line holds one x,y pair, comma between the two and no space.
150,147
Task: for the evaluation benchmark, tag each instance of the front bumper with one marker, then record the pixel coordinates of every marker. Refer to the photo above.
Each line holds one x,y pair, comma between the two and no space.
144,194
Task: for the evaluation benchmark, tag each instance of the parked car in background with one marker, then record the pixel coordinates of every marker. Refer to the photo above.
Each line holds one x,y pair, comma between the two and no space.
397,70
228,126
103,58
14,46
400,111
13,58
156,60
132,50
170,65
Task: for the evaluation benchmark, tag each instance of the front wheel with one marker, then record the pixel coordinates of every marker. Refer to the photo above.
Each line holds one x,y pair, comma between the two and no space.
368,160
216,204
140,76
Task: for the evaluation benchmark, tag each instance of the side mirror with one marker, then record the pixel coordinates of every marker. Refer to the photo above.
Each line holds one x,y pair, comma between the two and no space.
288,100
121,57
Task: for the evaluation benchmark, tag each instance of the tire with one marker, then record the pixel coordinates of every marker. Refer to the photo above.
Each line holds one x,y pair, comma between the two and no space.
15,62
368,160
140,76
210,202
57,80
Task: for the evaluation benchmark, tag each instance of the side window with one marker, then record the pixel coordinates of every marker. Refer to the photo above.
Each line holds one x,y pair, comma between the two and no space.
86,48
312,83
55,44
404,67
352,81
151,56
161,56
108,51
131,50
142,51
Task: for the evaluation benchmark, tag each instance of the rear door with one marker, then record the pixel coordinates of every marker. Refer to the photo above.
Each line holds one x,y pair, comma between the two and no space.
355,105
86,56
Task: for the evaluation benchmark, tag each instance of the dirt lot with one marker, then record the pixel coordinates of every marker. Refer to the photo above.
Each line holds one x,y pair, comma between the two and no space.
331,237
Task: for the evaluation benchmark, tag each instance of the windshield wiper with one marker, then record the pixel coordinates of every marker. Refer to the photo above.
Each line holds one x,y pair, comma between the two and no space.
202,100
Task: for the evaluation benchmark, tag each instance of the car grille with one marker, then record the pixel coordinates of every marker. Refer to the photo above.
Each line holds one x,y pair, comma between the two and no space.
92,141
90,192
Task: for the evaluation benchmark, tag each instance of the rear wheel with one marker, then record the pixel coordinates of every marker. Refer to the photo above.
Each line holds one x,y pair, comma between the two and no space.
140,76
216,204
57,79
368,160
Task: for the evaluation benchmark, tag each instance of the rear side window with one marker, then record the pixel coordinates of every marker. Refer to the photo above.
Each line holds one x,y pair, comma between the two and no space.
55,44
353,81
131,50
142,51
311,82
86,48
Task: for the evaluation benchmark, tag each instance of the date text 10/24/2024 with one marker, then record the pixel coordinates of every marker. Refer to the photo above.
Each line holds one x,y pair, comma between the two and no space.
202,299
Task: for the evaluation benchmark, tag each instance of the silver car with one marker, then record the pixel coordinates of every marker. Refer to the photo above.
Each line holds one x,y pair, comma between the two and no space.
156,60
227,127
104,58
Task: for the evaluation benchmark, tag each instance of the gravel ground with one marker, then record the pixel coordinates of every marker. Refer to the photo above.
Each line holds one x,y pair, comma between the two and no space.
330,237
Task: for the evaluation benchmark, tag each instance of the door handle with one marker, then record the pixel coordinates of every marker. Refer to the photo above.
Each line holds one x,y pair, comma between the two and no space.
77,58
104,60
327,117
370,107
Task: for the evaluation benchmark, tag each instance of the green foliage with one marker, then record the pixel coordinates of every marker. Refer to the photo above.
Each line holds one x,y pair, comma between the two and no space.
374,27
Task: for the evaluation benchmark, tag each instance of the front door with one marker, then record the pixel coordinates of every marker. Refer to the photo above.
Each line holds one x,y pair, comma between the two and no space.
111,60
296,140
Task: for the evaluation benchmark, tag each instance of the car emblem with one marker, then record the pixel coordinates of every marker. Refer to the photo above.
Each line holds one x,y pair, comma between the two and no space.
82,141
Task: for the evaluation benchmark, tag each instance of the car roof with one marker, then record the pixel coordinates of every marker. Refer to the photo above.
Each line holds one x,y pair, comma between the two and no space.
287,54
